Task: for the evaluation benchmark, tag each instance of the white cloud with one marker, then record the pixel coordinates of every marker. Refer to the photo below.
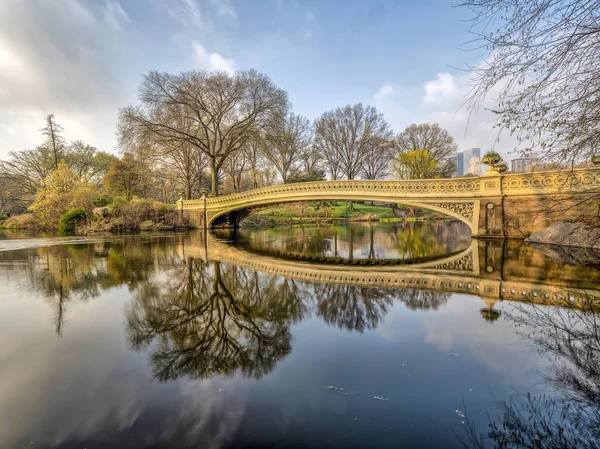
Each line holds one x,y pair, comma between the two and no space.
442,89
394,101
211,61
115,14
50,63
197,17
441,100
224,8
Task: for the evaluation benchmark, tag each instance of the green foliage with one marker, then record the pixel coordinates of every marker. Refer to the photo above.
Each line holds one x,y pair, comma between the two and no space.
491,158
494,160
329,211
118,202
313,175
102,200
73,219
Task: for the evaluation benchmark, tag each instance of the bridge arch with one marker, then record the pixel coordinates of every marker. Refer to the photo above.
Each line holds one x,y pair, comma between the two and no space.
457,210
493,205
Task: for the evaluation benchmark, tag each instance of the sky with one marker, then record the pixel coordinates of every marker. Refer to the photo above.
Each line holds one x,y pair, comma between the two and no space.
84,59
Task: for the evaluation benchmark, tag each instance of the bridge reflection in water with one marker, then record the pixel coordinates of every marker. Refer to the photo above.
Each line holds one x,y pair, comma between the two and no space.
491,269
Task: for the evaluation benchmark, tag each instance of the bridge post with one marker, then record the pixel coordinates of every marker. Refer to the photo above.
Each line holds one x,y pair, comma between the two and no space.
491,217
204,214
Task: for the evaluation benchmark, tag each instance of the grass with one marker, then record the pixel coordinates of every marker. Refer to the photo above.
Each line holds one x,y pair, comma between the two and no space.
312,210
18,222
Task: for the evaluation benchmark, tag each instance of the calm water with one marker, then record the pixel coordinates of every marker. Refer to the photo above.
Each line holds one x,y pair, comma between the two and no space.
336,337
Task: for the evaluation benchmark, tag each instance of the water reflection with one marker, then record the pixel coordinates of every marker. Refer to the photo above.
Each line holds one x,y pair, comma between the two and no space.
207,317
399,241
214,319
568,417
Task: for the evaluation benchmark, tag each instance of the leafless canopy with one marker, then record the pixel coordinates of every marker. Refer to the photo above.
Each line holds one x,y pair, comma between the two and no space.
543,59
216,113
345,137
287,139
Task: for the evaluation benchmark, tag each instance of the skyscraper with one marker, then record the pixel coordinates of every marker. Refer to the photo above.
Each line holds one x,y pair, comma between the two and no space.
524,163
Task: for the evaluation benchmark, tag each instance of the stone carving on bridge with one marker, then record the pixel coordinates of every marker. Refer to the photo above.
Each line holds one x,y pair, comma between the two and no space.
568,181
464,263
465,210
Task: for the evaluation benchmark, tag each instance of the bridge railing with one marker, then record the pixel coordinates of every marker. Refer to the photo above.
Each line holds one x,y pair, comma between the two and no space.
492,184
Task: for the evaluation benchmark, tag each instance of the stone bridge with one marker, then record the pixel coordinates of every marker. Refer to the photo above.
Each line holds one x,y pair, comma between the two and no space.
489,269
493,205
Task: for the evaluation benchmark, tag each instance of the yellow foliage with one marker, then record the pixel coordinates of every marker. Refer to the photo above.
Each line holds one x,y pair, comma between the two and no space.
61,191
416,164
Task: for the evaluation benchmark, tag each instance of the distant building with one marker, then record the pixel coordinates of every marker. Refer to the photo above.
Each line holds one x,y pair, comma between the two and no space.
463,162
525,163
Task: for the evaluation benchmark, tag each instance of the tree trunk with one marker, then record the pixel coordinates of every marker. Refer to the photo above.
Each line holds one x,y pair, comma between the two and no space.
214,177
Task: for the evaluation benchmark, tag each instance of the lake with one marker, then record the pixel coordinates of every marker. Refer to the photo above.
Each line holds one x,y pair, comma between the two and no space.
352,336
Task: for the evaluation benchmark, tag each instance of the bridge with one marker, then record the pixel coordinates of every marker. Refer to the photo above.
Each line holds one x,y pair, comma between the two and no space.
493,205
488,269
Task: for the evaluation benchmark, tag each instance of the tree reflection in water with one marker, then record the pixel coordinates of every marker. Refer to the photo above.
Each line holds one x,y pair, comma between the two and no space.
570,339
64,274
352,308
219,319
214,319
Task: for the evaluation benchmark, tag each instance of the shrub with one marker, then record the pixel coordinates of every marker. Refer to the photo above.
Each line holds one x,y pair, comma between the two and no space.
102,201
72,219
117,204
23,221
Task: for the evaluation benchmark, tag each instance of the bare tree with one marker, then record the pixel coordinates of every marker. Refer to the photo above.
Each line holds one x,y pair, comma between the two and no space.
311,159
214,112
55,142
287,137
345,136
435,140
89,164
235,166
379,158
542,58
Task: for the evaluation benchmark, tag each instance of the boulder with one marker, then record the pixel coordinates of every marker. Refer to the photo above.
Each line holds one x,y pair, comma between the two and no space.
100,212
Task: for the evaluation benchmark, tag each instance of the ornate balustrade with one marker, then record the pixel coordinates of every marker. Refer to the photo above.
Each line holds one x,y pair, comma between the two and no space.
459,198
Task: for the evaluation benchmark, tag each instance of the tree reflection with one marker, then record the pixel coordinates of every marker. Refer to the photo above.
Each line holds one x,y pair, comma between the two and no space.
570,338
350,307
215,319
63,273
423,299
67,273
417,241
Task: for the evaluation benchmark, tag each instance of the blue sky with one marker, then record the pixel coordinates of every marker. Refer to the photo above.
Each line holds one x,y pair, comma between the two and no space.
83,59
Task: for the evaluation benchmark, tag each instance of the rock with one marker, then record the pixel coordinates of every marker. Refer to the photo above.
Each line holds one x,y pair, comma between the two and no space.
580,235
101,212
